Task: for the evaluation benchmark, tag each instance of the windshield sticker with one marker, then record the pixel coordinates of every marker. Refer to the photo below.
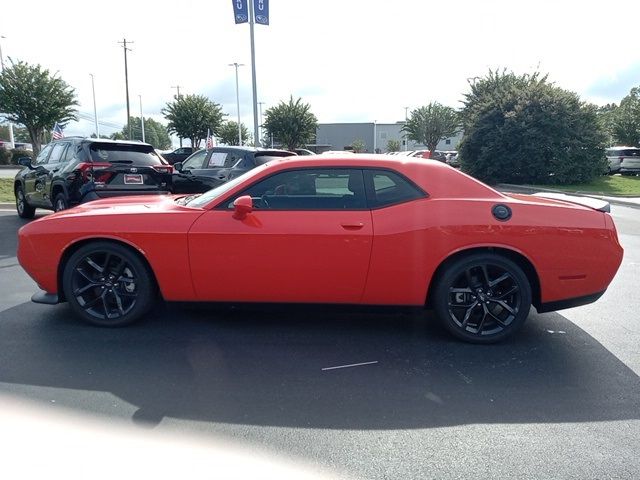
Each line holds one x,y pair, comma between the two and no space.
217,159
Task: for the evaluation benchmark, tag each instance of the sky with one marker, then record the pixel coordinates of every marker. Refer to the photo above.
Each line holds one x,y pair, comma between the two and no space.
351,60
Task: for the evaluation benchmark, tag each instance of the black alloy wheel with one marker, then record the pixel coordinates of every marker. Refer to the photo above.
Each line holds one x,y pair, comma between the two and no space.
107,284
60,202
22,206
483,298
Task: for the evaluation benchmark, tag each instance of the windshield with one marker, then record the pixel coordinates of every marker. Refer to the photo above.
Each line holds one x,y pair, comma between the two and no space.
141,155
214,193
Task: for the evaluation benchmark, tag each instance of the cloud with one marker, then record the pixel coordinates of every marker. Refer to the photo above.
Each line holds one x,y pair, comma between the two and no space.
616,85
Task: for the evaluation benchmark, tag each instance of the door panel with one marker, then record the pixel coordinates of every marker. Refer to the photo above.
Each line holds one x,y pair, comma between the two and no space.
281,256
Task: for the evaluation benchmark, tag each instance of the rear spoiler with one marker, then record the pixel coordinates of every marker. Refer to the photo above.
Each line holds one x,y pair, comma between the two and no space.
595,203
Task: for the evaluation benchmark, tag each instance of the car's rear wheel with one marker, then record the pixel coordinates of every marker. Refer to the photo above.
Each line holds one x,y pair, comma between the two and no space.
482,298
22,206
60,202
107,284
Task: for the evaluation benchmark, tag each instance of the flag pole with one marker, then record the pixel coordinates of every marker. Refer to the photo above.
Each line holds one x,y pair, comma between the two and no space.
253,74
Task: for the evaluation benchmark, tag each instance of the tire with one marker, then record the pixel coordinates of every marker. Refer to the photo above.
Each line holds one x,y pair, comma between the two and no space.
60,202
22,206
108,285
482,298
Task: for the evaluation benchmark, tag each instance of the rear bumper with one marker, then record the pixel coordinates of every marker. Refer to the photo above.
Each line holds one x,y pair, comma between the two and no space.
569,302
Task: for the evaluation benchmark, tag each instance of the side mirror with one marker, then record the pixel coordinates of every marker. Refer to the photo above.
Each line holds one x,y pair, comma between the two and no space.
25,162
178,166
242,206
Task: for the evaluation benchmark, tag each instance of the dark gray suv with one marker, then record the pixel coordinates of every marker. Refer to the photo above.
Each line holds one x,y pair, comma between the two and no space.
74,170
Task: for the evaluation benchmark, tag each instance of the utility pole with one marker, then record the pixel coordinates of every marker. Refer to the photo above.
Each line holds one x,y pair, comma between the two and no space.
141,118
95,111
260,105
126,80
236,65
177,87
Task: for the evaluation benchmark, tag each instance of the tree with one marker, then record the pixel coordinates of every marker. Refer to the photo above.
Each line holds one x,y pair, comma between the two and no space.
430,124
291,123
393,145
155,133
31,96
191,116
607,115
524,129
228,133
626,119
358,145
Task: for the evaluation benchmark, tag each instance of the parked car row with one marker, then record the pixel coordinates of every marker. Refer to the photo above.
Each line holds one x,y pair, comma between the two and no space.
76,170
449,157
623,160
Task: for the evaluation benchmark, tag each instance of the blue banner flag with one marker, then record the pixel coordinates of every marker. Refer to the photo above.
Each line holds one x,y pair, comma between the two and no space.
261,11
241,11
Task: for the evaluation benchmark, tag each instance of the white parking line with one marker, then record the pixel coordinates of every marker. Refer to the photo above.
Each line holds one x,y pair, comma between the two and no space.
350,365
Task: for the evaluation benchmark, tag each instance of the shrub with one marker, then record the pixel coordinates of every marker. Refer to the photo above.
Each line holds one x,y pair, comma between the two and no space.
17,153
524,129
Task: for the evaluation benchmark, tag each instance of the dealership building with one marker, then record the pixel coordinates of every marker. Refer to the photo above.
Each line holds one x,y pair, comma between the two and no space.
375,136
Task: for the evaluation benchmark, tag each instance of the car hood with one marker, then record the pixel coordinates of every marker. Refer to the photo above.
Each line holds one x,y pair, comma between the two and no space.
132,205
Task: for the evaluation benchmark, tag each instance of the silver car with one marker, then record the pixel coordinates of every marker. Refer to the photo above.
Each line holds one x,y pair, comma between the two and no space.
625,160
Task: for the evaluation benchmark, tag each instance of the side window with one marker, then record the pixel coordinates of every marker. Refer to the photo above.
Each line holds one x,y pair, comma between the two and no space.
70,154
57,152
195,161
388,188
43,155
232,159
217,159
309,189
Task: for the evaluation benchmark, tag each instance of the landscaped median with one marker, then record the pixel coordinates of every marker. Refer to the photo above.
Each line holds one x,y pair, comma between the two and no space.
6,190
615,189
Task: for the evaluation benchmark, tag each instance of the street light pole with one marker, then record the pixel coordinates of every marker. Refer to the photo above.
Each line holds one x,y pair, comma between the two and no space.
12,144
141,118
236,65
260,105
1,57
253,72
406,140
375,136
177,87
95,111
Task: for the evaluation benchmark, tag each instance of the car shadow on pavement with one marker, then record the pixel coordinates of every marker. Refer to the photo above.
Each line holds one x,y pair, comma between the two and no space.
248,366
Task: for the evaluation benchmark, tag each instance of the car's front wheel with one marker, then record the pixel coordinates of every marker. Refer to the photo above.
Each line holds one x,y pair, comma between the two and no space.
482,298
22,206
107,284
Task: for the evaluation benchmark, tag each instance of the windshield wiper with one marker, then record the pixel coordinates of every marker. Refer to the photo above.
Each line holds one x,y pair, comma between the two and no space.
121,161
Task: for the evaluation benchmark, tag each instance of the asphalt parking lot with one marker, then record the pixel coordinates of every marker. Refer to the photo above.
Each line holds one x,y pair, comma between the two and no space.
560,400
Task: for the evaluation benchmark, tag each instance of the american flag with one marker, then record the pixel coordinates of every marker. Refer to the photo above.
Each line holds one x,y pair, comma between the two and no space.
57,133
211,142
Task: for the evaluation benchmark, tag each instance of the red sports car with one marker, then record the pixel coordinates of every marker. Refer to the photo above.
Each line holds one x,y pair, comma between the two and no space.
357,229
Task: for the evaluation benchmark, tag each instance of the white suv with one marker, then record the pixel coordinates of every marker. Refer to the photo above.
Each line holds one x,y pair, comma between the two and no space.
625,160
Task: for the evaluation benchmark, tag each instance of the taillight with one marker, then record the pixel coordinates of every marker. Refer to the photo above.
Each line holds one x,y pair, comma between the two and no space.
163,168
89,170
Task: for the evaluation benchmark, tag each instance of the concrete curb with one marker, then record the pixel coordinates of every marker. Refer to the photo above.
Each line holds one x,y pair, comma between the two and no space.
633,202
7,205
